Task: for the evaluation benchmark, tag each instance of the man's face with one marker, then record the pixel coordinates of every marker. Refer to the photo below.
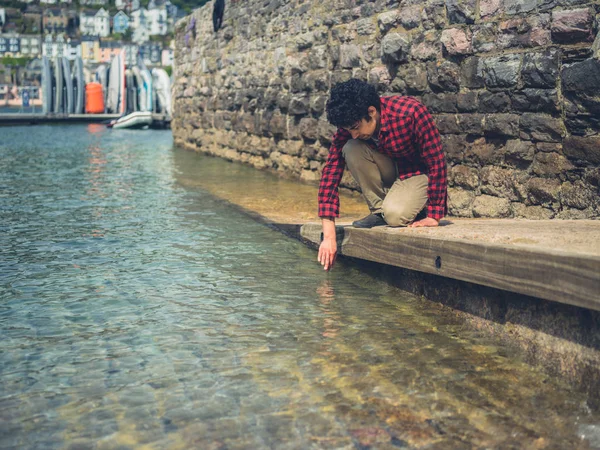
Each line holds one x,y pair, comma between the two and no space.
364,129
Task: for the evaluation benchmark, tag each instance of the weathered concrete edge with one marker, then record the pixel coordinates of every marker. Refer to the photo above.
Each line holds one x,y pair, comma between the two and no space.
562,277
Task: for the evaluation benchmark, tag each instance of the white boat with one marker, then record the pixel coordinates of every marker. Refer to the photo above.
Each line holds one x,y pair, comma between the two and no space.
69,106
58,86
102,78
78,86
162,87
141,89
46,86
123,93
138,119
114,85
145,73
131,92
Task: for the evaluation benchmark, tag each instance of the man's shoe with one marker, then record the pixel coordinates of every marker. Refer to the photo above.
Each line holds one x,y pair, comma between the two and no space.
372,220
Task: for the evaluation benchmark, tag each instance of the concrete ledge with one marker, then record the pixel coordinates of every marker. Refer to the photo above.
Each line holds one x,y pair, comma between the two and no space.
550,273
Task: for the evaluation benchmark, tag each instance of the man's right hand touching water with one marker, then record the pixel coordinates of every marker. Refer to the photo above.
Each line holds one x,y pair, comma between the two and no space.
328,248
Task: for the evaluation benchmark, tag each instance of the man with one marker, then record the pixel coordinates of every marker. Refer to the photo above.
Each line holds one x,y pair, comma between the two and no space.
393,150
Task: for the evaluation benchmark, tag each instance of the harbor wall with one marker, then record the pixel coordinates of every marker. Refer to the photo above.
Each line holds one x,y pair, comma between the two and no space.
514,87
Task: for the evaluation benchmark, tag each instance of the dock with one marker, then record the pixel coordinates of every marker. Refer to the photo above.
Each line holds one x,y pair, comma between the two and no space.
11,119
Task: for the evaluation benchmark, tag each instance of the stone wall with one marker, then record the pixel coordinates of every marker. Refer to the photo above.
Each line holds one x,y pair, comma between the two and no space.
514,87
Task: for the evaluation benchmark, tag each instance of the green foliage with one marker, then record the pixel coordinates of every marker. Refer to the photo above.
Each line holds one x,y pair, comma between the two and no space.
169,70
12,61
189,5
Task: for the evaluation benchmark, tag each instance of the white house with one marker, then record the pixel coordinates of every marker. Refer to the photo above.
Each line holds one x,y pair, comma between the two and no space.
166,58
93,2
128,5
140,35
53,48
95,24
2,16
154,20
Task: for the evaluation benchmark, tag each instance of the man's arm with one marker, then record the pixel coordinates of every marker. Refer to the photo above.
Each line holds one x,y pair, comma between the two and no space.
427,137
328,247
329,202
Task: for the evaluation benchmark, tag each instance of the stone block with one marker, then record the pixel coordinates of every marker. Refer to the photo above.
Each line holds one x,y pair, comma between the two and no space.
581,85
541,127
434,15
309,128
484,37
467,101
290,147
410,16
317,104
582,149
349,56
471,75
413,78
578,195
299,105
535,100
388,20
574,25
379,76
310,176
471,124
365,27
459,202
447,123
304,41
542,190
488,206
444,77
502,71
440,103
519,153
325,131
505,183
484,152
502,125
540,70
494,102
317,58
395,47
426,47
457,41
519,6
489,7
463,176
531,212
461,11
454,147
546,164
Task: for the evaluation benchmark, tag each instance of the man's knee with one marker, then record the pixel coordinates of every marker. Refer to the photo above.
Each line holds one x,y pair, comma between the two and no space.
398,215
354,150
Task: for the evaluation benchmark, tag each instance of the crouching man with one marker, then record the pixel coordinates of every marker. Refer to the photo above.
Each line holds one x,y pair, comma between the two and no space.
393,150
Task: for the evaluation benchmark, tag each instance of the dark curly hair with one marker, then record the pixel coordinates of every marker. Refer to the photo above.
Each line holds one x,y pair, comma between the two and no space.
349,102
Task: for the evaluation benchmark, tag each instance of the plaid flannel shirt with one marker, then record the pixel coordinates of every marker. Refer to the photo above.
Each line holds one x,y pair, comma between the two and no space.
408,136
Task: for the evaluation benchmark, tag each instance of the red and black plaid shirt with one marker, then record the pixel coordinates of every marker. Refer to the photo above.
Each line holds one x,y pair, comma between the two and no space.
408,136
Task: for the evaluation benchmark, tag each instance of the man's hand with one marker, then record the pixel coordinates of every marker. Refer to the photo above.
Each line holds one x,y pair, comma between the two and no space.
327,253
426,222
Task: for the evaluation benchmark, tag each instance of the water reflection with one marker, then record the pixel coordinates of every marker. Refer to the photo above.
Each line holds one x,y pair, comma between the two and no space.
183,324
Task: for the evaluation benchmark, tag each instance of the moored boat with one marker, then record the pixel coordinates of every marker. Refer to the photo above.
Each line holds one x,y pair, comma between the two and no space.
138,119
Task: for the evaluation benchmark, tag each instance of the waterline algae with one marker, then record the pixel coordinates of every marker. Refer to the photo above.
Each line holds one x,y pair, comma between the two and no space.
136,310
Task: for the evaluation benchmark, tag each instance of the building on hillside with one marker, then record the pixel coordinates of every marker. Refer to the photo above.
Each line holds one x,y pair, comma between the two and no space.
55,20
109,49
140,35
59,46
167,57
90,48
150,53
33,18
127,5
31,45
131,54
27,1
154,20
10,45
2,17
94,23
93,2
120,22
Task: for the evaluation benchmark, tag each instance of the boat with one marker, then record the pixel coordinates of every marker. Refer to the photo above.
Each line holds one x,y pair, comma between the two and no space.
78,86
69,106
123,91
46,86
137,119
141,89
102,78
162,87
114,85
145,73
58,86
131,92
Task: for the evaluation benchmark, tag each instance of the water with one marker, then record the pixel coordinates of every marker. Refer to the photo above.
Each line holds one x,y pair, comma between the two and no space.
138,311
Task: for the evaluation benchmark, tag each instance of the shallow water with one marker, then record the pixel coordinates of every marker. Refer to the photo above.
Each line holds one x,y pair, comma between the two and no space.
138,311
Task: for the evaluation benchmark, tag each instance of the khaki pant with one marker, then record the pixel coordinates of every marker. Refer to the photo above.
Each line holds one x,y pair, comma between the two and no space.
398,200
